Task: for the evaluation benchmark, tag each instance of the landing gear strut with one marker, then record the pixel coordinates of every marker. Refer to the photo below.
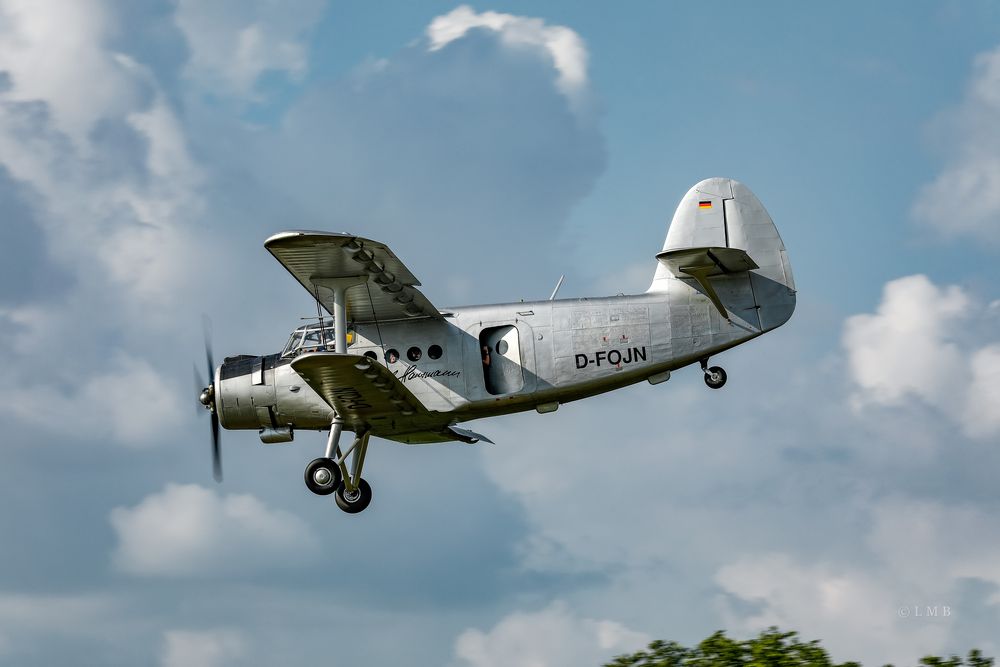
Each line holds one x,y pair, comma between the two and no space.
715,376
329,474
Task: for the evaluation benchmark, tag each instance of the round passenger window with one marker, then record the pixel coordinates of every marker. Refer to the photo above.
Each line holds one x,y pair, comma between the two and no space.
434,352
371,355
391,356
413,354
502,347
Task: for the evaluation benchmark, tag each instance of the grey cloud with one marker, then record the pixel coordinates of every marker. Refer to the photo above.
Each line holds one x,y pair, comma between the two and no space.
465,160
203,648
27,273
120,152
974,602
233,43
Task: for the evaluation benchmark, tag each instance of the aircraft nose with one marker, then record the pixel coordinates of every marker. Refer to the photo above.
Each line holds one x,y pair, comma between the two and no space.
205,398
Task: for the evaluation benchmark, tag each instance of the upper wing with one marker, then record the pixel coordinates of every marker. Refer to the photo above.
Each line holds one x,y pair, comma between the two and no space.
387,291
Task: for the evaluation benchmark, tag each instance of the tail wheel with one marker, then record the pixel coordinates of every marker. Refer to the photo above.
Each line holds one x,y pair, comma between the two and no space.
715,377
356,501
323,476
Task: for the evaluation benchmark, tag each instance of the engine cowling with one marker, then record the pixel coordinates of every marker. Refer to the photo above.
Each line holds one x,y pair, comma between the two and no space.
244,392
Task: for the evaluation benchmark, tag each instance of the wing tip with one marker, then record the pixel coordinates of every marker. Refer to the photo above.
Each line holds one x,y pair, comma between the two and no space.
286,235
467,436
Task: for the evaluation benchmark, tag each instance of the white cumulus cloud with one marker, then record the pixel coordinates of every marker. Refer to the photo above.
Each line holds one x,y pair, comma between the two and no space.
552,637
964,199
563,45
921,344
190,530
907,347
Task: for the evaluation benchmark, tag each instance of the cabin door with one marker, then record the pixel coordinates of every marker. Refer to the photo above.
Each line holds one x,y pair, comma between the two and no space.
500,350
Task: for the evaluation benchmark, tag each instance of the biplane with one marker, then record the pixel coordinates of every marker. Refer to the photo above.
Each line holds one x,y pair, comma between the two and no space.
393,365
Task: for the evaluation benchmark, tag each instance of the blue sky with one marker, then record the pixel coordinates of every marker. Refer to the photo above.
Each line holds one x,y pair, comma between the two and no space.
845,472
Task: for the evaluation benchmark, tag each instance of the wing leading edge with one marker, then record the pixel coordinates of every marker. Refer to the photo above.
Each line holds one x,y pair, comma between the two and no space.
385,290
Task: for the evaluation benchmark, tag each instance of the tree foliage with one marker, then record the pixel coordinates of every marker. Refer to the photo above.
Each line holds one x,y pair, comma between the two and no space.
772,648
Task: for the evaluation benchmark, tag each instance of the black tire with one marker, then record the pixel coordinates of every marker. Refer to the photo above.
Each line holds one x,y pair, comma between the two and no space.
330,486
358,504
715,377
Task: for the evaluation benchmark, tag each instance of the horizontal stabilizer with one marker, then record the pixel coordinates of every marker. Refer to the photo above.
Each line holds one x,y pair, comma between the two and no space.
703,263
721,260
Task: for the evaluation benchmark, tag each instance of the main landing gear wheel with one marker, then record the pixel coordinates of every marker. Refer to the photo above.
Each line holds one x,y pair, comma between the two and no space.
323,477
356,501
715,377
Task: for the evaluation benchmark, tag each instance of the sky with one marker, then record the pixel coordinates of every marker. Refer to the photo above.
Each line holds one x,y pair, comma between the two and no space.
843,484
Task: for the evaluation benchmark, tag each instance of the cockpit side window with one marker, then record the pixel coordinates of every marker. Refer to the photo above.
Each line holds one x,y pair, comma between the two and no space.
313,338
292,343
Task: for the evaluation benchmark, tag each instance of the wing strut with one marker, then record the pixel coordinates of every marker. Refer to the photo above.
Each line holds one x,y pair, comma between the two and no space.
339,287
322,322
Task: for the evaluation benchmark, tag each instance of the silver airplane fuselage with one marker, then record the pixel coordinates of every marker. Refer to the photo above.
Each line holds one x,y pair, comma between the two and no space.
550,352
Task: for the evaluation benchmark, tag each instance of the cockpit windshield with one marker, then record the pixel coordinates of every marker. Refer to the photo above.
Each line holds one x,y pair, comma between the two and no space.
313,338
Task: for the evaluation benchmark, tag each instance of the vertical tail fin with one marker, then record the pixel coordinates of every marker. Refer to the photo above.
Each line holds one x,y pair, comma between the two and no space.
723,213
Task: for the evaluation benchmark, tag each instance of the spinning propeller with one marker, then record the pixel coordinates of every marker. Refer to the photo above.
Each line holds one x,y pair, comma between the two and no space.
207,398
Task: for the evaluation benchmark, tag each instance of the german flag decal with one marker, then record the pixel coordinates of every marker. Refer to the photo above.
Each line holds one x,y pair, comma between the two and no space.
705,204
